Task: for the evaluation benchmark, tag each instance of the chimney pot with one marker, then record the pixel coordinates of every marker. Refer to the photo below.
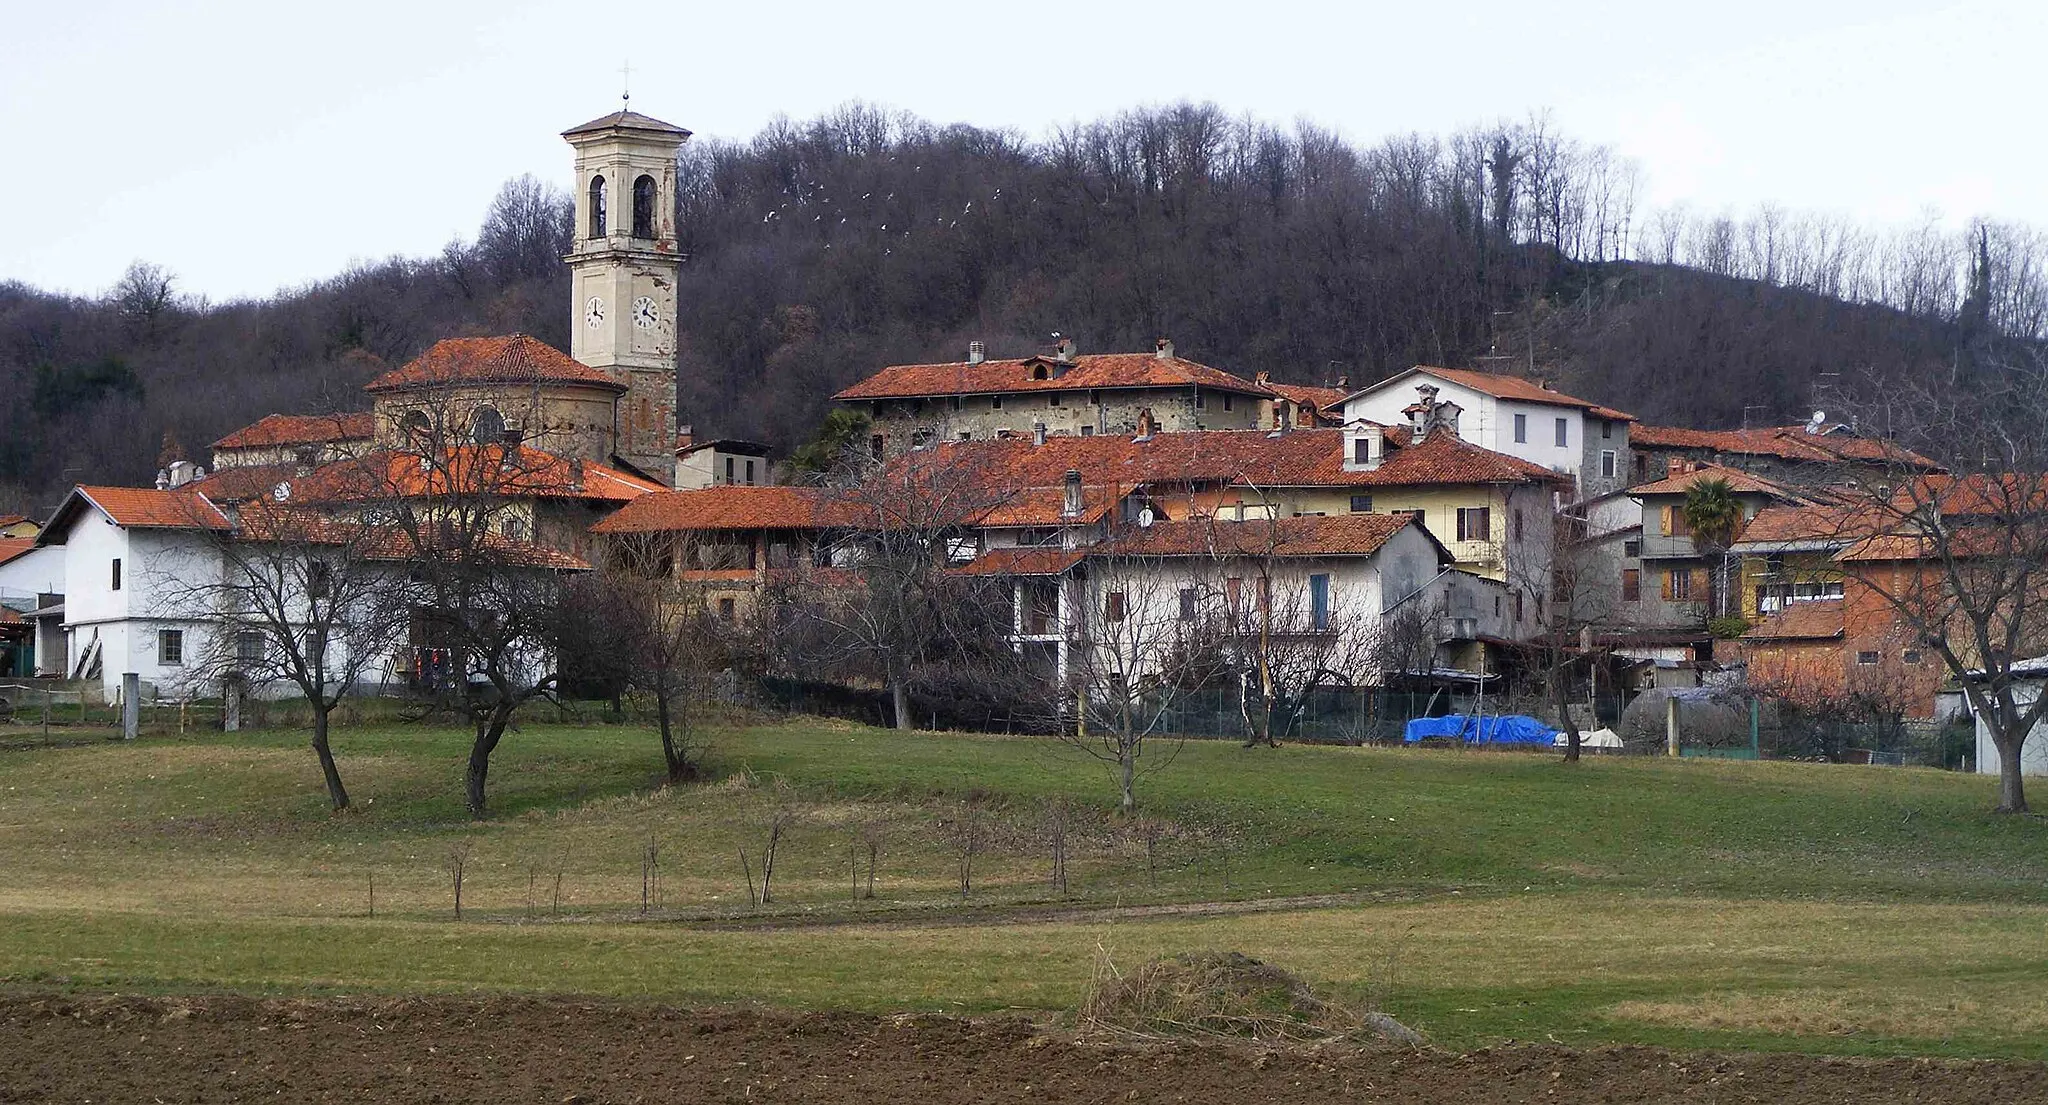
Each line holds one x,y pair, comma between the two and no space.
1071,502
1038,433
976,352
1063,351
1163,349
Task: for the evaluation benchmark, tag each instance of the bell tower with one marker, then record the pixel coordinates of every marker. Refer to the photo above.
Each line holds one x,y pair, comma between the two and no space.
623,272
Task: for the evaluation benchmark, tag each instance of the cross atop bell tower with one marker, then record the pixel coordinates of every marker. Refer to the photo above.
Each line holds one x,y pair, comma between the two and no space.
623,273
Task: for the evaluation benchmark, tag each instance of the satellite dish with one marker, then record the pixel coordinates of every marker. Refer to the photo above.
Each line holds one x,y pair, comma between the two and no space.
1820,416
1146,518
282,491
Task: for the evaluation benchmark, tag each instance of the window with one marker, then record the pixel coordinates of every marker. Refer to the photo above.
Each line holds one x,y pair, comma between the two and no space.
995,402
1678,584
1515,524
115,583
597,228
320,575
958,402
1521,428
1631,584
1518,606
1679,525
1866,658
1361,504
170,646
1606,431
1094,397
1087,431
1227,397
1187,604
417,426
876,444
750,473
1113,607
249,647
1563,433
513,529
1053,400
1475,523
727,608
1632,548
1607,464
487,426
1911,656
1199,401
729,463
643,207
1319,602
1038,372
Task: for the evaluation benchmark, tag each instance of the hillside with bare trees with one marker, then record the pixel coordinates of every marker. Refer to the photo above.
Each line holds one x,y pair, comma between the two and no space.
820,250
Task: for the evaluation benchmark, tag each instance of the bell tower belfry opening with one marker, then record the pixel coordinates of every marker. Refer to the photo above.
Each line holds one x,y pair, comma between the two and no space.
623,272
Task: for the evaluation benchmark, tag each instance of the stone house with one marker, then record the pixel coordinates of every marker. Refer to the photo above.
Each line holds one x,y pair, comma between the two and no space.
1060,394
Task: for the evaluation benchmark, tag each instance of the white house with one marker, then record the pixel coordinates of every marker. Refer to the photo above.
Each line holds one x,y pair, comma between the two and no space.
135,562
1508,414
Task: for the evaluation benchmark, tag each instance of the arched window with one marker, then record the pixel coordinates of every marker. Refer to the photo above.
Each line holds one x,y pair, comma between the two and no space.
643,207
417,426
597,207
487,426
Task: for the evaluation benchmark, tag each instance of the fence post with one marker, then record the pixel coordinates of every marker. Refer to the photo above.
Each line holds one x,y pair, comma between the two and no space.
1756,710
131,704
1671,726
231,706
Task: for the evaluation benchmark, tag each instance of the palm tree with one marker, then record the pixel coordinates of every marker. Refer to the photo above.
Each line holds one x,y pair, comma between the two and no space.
1713,513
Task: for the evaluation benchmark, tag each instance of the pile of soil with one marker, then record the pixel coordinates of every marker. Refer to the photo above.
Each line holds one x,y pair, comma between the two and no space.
454,1051
1227,994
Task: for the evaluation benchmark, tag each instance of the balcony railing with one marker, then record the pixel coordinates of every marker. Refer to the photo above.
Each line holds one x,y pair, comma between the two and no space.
1664,546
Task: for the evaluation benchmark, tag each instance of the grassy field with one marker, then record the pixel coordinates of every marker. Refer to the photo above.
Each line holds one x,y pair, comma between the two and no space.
1478,896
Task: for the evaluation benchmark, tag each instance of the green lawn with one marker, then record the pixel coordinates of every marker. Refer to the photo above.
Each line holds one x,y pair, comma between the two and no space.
1479,895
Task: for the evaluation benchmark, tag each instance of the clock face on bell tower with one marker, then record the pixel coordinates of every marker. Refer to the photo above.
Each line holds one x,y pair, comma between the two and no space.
624,271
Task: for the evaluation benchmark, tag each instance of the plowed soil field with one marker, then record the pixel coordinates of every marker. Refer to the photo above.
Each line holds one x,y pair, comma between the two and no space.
221,1049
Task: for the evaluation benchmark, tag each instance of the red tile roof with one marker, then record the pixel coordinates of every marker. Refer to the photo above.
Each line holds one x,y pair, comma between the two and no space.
1046,506
148,508
1337,535
1801,621
512,359
1784,442
270,521
1507,387
1299,458
1324,400
12,547
1089,371
1739,481
472,469
629,120
301,429
1021,562
734,507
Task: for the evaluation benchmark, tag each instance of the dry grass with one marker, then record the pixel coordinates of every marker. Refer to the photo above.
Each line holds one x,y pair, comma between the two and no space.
1226,994
2019,1010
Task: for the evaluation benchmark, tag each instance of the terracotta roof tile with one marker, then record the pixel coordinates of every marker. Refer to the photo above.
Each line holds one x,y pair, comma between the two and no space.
1801,621
734,507
1046,506
1810,524
301,429
1089,371
1501,386
1739,481
1324,400
512,359
1784,442
1337,535
1021,562
532,473
1299,458
12,547
148,508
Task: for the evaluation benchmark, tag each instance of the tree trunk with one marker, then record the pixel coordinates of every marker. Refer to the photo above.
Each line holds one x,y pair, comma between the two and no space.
1127,773
899,697
2012,792
489,730
1558,682
336,793
670,758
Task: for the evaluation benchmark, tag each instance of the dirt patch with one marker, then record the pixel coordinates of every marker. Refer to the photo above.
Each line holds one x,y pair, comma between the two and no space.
451,1051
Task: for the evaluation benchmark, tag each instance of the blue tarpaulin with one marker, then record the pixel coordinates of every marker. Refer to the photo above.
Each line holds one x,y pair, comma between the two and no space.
1499,729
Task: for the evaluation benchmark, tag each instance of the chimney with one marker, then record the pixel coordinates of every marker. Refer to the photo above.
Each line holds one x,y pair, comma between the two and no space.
163,479
1262,378
1070,506
684,438
1146,425
1343,381
976,352
1038,433
1163,349
1063,351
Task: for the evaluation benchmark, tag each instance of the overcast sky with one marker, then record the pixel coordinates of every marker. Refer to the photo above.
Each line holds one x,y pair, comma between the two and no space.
254,146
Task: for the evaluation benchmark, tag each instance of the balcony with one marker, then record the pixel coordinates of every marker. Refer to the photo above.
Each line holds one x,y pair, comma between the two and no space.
1666,547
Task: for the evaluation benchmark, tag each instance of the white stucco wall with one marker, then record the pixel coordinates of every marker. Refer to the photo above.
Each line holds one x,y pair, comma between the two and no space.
2033,752
1486,421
